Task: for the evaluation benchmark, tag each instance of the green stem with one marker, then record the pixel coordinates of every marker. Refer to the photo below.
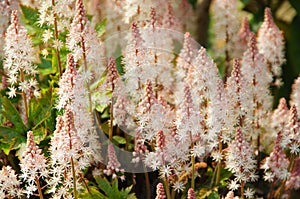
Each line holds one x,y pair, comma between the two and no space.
167,188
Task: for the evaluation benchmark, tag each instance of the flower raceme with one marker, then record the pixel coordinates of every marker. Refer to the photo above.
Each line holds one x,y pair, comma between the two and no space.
19,57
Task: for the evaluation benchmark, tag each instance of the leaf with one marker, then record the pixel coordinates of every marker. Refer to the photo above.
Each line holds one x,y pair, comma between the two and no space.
105,186
119,139
120,65
101,27
295,4
11,114
10,139
45,67
5,148
213,195
8,134
40,110
92,194
30,15
39,135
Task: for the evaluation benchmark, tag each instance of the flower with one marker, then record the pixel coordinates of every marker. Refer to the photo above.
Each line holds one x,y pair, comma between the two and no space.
9,183
249,193
233,185
276,165
160,192
19,56
240,159
178,186
113,165
270,43
33,165
191,194
66,83
225,27
295,94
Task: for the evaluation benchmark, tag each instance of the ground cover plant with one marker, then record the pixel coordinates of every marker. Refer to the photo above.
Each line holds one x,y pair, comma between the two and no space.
149,99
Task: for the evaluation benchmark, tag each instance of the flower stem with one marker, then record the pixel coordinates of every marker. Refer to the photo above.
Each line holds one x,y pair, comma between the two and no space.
148,185
57,51
290,168
111,125
167,188
24,98
74,179
219,164
242,189
86,69
39,187
193,163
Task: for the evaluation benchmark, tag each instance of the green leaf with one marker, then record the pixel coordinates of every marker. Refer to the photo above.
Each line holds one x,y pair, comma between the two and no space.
118,139
5,147
92,194
45,67
296,5
30,14
7,134
40,110
11,114
120,65
10,139
214,195
193,3
105,186
101,27
39,135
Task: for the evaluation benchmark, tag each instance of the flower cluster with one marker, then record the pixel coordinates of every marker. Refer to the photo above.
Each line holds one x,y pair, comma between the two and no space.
33,166
19,56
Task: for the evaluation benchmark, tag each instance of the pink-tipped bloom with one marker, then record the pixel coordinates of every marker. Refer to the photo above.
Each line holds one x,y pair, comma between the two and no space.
67,156
257,100
276,165
240,160
280,115
243,35
186,56
19,57
191,194
33,165
160,141
270,42
84,43
234,93
112,74
292,133
295,94
113,165
67,83
160,191
169,19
